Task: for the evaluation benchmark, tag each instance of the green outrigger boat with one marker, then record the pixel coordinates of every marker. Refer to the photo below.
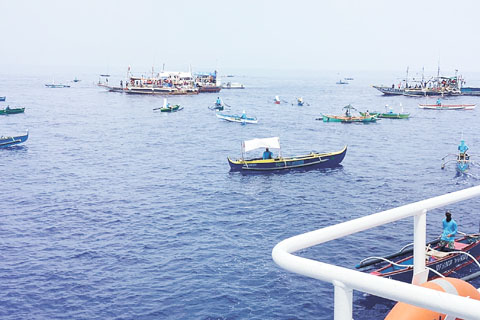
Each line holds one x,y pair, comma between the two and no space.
167,107
9,110
348,117
388,115
171,108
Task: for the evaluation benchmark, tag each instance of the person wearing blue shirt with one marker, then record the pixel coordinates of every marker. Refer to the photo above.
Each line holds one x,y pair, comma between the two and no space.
439,102
462,148
219,102
267,154
449,231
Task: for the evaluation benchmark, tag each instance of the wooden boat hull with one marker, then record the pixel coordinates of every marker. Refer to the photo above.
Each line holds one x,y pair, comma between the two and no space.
236,118
208,89
453,262
388,115
309,161
160,91
447,106
10,141
57,86
389,91
12,110
344,119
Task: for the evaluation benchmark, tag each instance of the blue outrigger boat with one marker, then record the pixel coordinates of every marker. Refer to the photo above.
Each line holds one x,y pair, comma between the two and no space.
313,160
10,141
441,261
3,98
462,159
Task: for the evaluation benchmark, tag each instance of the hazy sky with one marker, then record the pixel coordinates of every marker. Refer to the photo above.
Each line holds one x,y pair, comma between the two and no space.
292,35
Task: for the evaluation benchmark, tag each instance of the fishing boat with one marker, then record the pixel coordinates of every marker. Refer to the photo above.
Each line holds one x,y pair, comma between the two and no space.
167,107
348,117
276,100
10,141
207,82
53,85
348,78
341,82
76,80
233,85
243,119
442,106
461,159
218,106
388,114
9,110
3,98
280,163
441,261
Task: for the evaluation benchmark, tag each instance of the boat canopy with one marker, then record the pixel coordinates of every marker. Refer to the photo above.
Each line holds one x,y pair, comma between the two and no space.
273,142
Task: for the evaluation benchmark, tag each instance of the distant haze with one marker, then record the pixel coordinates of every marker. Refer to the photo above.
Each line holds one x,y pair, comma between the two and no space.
241,35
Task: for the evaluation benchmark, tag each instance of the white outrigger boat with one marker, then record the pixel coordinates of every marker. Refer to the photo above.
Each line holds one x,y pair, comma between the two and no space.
243,119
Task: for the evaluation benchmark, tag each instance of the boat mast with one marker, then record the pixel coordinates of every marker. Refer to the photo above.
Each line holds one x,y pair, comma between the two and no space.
406,79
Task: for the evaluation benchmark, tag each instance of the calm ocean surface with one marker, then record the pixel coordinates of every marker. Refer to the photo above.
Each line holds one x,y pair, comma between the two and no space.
113,211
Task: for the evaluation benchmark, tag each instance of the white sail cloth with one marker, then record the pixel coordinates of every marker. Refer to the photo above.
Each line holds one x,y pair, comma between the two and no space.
273,143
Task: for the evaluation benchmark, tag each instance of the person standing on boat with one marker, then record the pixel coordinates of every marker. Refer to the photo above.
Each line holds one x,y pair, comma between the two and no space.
267,154
439,102
449,231
462,148
219,102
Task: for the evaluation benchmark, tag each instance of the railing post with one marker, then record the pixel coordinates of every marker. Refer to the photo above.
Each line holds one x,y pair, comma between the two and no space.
343,299
420,273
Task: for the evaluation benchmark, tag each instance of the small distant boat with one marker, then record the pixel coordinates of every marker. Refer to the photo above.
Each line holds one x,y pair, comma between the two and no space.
348,78
300,102
233,85
342,82
461,159
313,160
10,141
348,117
167,107
276,100
105,75
3,98
447,106
76,80
243,119
52,85
9,110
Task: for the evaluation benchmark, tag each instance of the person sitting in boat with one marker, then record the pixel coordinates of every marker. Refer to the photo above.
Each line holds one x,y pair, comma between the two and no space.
462,148
367,114
347,113
439,102
244,115
267,154
449,232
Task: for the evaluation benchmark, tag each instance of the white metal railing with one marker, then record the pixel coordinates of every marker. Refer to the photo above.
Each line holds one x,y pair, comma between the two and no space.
346,280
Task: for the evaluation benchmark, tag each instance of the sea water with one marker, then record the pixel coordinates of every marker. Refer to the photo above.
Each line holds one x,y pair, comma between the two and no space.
111,210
